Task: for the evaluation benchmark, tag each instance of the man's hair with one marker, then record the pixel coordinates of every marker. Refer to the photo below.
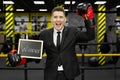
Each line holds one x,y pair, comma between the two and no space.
58,9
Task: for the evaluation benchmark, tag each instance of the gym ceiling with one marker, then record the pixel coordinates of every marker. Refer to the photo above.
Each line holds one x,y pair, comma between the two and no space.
29,6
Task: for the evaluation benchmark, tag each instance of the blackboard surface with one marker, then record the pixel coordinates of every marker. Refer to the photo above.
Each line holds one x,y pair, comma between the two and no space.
30,48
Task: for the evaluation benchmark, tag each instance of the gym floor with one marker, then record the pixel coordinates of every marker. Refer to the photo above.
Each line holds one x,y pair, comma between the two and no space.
89,74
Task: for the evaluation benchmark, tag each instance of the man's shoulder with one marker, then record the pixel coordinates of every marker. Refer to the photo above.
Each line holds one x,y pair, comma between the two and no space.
46,30
71,28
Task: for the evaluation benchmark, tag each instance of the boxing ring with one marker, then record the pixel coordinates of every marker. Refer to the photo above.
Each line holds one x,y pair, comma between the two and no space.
83,68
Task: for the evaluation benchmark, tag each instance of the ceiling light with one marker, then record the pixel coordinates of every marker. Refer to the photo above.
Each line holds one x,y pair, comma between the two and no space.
0,9
69,2
66,10
19,9
73,2
118,6
8,2
39,2
117,19
100,2
42,9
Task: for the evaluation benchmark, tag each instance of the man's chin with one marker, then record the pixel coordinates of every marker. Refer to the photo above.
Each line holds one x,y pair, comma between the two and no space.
58,28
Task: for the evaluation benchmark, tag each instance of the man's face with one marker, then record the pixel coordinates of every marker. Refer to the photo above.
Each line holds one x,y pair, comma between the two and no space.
58,20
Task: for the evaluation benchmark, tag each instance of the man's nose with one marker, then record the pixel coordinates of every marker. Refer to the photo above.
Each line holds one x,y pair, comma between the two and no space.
58,19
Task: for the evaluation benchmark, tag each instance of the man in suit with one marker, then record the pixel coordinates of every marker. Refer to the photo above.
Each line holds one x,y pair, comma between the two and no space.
59,44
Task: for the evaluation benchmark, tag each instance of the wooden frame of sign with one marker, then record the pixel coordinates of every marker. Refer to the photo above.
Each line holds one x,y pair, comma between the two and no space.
30,48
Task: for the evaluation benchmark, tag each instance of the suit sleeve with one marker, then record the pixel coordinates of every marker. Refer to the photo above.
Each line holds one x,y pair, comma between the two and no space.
85,36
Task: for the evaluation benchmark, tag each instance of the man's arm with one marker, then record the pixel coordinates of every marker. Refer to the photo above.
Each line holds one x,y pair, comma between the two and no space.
85,10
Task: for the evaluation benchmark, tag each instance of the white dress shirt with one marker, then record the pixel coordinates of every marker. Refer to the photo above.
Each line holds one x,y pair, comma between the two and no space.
60,68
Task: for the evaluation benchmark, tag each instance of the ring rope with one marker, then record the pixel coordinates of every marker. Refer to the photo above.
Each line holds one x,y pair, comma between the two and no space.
80,55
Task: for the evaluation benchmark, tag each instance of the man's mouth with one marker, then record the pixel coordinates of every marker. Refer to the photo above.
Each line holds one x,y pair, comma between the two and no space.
58,24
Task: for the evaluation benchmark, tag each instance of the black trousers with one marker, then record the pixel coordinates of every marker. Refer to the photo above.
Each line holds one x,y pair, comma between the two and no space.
61,76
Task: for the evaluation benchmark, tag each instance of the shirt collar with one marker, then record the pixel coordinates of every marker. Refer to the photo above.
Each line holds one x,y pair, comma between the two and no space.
59,31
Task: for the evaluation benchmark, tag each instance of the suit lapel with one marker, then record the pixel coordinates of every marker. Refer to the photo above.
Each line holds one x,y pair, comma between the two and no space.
64,34
51,37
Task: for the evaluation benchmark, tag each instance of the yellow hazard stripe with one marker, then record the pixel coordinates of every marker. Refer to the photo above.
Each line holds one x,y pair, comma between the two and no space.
101,31
9,17
9,7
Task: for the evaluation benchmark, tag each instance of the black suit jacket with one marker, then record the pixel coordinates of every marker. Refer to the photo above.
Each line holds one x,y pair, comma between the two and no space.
66,54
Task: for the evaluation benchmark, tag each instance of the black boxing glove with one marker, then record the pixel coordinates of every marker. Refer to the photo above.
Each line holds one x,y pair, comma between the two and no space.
82,8
15,59
86,11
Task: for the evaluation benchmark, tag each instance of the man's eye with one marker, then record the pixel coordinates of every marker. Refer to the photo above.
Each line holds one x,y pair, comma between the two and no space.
55,16
61,16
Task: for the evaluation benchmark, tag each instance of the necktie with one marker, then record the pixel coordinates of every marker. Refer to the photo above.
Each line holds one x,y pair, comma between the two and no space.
58,40
58,45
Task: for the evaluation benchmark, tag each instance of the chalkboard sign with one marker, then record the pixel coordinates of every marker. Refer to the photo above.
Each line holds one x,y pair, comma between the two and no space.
30,48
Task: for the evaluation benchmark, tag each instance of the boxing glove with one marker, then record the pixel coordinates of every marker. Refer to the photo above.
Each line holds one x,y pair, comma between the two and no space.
93,61
15,59
86,11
